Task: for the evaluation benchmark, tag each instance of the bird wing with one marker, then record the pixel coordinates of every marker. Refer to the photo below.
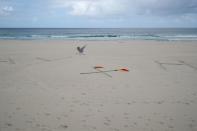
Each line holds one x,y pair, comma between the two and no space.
82,48
79,49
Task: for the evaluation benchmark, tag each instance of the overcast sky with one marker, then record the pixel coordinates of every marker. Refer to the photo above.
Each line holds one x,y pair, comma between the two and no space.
98,13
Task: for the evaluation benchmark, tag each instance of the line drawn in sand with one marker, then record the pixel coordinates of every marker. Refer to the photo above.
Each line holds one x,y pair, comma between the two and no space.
187,64
9,60
43,59
51,60
46,60
4,61
178,63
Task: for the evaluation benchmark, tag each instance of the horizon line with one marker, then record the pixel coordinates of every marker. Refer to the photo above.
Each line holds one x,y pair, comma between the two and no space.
98,27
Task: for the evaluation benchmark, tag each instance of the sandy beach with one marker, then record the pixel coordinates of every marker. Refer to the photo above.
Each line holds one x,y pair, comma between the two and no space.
41,88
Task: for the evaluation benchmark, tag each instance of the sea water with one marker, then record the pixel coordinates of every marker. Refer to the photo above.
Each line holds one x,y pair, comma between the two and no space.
159,34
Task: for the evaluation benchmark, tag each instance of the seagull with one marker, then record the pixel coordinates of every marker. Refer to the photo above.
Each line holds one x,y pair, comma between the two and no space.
81,49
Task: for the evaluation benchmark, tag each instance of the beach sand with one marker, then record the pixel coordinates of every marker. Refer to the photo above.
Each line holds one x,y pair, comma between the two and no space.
41,88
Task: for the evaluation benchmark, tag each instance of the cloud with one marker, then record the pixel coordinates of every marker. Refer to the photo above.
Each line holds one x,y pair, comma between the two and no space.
6,10
93,8
167,7
101,12
97,8
6,7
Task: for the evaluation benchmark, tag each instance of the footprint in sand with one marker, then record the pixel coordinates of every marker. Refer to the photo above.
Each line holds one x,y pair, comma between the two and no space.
170,126
84,121
161,123
18,108
9,124
83,94
107,119
64,126
116,129
135,123
94,128
106,123
10,116
62,98
65,116
126,126
38,125
58,118
47,114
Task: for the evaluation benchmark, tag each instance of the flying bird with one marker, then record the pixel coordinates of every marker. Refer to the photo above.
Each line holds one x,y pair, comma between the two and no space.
81,49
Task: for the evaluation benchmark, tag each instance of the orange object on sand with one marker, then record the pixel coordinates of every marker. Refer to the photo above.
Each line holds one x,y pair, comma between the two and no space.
124,69
96,67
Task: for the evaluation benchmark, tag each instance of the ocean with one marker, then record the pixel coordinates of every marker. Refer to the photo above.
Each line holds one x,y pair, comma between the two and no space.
159,34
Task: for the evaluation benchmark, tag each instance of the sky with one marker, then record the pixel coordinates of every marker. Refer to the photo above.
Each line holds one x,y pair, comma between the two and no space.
97,13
